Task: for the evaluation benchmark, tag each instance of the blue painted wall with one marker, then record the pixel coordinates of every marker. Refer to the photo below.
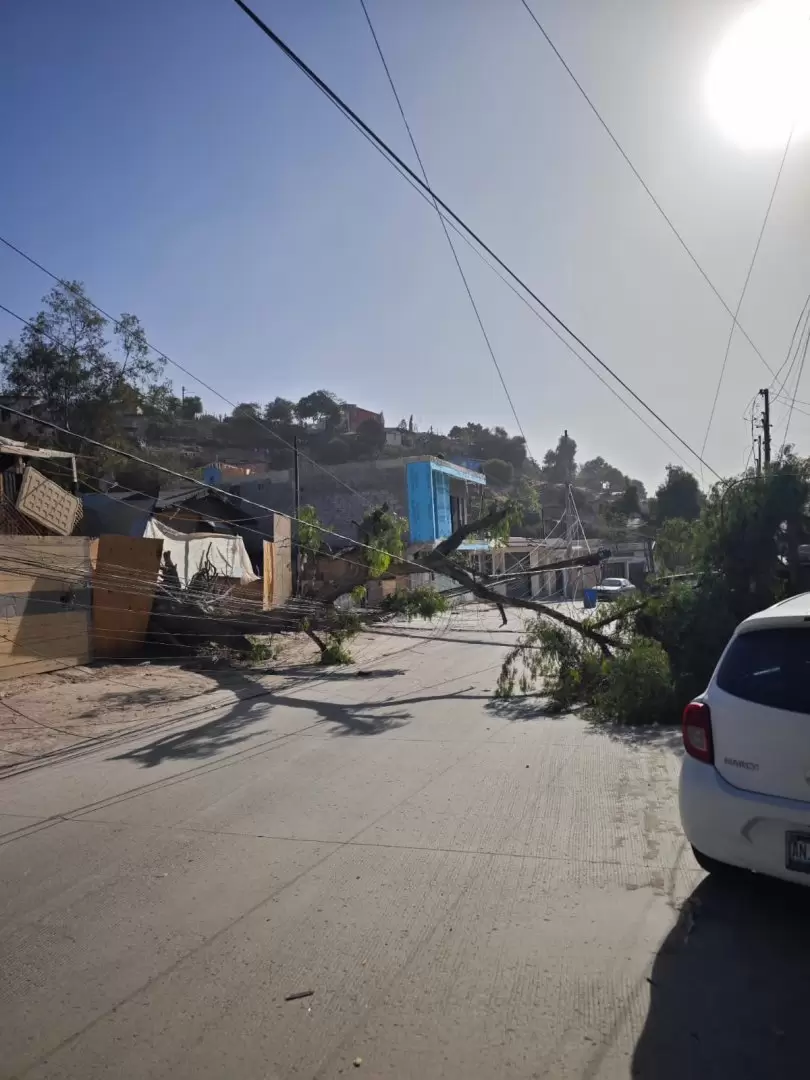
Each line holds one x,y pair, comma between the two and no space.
420,503
441,505
429,513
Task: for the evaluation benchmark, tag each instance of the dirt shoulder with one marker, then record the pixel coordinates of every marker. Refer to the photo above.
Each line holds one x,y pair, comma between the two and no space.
50,714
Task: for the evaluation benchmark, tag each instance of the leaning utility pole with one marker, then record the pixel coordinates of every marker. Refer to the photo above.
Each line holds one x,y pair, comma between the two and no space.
765,394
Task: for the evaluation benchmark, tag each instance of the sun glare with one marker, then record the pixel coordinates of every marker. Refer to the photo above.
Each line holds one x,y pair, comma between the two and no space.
758,85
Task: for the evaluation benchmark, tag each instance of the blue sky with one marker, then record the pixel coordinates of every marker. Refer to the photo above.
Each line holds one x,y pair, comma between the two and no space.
167,155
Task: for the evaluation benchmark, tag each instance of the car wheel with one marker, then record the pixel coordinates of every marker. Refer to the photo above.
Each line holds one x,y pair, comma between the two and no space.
713,866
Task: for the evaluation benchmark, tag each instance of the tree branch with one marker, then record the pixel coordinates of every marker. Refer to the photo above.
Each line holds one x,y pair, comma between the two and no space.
489,521
442,565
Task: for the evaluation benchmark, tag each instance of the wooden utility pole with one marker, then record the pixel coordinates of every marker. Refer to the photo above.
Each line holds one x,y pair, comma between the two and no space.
296,551
765,394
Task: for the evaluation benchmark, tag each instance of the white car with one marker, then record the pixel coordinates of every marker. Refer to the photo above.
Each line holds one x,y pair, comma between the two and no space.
614,587
745,779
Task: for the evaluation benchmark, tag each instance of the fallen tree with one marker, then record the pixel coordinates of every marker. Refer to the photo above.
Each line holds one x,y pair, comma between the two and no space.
495,525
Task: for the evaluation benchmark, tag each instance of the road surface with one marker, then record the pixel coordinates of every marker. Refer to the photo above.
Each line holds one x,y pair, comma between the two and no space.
468,891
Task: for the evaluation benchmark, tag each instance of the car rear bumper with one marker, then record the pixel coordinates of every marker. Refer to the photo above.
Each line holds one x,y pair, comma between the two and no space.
739,827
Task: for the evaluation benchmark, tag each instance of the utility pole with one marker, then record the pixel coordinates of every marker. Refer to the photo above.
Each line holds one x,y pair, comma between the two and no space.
182,393
765,394
759,455
296,551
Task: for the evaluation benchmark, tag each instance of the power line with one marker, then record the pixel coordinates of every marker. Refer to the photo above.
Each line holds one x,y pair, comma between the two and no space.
210,487
643,182
745,288
445,230
158,352
394,159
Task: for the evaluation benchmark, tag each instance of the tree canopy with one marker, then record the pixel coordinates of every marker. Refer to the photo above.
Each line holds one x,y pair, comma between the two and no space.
678,496
78,366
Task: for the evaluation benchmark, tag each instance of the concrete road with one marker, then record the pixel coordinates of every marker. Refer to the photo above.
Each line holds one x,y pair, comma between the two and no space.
468,891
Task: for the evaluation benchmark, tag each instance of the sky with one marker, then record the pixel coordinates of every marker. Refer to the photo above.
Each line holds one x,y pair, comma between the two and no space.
172,159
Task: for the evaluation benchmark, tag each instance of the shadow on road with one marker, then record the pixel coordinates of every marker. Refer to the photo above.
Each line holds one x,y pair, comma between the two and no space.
223,732
730,986
527,707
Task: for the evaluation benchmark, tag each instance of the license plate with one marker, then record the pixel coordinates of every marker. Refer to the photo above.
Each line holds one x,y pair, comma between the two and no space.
797,852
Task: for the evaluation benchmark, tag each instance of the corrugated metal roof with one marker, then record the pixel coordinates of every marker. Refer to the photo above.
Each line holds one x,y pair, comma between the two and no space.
21,449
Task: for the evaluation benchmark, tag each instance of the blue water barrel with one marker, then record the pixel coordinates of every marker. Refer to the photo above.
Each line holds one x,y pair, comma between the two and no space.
589,598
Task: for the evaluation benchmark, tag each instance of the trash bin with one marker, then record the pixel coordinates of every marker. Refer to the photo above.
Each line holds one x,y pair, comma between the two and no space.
589,598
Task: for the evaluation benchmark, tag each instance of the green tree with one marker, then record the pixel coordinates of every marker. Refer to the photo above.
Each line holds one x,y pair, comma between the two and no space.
370,436
678,497
499,472
80,368
321,406
280,411
249,410
384,533
675,545
598,475
627,504
559,465
191,408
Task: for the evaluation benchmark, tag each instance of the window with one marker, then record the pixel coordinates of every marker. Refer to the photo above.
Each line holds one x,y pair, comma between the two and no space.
769,667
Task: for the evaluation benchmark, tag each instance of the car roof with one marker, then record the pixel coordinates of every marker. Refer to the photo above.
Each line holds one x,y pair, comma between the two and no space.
794,611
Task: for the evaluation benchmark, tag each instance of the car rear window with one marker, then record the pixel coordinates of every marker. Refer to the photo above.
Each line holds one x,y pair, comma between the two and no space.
612,581
769,667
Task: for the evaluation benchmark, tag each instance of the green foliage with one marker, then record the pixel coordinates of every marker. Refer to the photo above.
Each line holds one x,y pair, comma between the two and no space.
191,407
310,530
345,626
637,688
321,406
250,410
499,472
570,668
692,625
262,649
424,602
634,686
500,533
678,497
279,412
335,653
384,533
750,533
359,593
559,465
484,443
628,502
597,475
370,435
82,370
676,545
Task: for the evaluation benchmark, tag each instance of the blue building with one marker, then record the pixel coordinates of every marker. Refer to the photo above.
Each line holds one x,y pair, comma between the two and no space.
441,497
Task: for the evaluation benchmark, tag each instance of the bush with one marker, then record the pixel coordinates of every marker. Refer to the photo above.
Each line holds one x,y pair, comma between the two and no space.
499,472
570,667
692,625
637,688
335,652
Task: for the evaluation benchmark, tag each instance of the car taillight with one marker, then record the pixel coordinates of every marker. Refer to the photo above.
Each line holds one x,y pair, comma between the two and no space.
697,731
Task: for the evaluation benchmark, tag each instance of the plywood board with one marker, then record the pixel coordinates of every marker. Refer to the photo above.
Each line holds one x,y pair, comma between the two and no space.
121,615
44,604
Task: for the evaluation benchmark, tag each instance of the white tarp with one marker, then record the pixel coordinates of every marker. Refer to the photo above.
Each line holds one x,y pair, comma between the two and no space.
189,551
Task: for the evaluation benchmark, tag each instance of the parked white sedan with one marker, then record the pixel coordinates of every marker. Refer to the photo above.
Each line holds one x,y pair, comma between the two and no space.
614,587
745,779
